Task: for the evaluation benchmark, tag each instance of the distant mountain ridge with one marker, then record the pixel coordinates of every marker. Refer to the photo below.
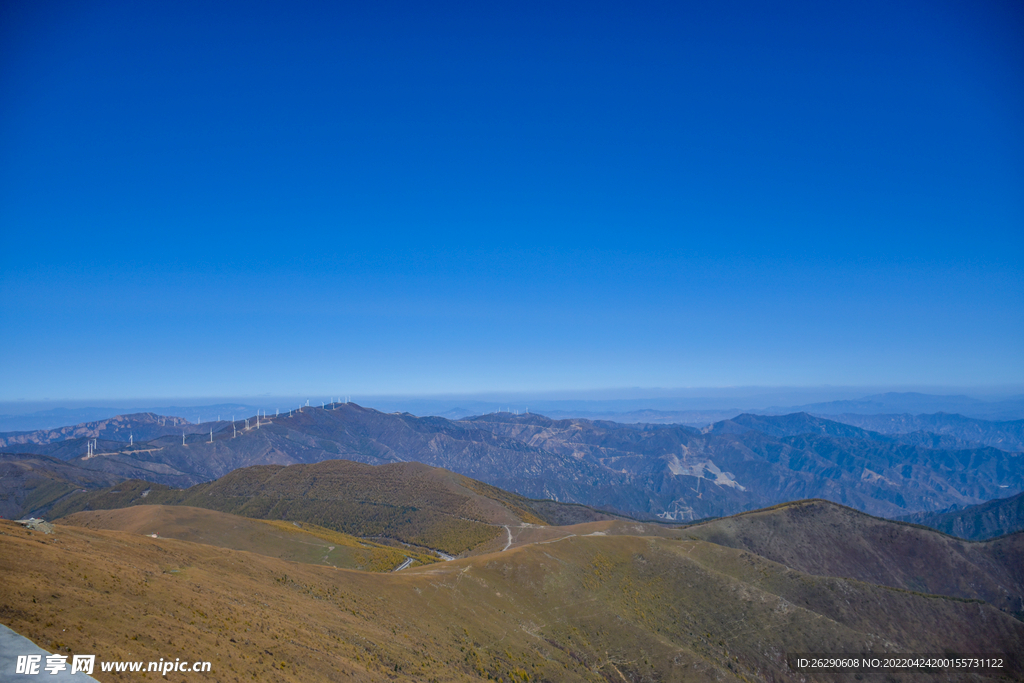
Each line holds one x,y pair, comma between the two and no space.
671,471
139,426
1011,408
55,418
794,424
977,522
943,429
666,408
802,456
34,482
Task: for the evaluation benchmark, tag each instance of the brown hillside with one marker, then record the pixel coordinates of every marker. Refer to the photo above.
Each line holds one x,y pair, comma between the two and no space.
293,541
584,608
409,502
825,539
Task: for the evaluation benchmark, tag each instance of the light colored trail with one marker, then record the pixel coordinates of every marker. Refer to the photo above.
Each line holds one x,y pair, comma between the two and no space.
556,540
405,564
507,545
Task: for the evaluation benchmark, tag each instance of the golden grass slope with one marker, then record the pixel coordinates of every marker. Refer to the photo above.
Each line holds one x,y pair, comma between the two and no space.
410,502
299,542
826,539
582,608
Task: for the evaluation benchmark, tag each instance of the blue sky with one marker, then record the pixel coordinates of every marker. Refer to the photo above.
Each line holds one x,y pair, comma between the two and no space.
211,199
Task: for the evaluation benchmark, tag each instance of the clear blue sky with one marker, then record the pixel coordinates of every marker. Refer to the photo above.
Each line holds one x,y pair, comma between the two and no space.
240,198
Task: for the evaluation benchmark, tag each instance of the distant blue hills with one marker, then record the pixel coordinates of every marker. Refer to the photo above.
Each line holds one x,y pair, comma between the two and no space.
1011,408
61,417
691,410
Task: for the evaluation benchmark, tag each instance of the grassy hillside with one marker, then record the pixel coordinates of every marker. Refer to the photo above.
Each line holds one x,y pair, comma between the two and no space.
409,502
584,608
298,542
825,539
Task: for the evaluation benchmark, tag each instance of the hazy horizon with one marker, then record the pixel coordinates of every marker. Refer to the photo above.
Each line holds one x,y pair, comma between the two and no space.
607,402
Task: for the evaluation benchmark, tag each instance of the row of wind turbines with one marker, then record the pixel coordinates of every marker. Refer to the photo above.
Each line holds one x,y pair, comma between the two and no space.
277,413
93,444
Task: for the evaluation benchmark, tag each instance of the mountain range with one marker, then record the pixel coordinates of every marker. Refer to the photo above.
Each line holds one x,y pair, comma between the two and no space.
1009,408
31,483
977,522
55,418
342,543
119,429
688,408
943,430
670,472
